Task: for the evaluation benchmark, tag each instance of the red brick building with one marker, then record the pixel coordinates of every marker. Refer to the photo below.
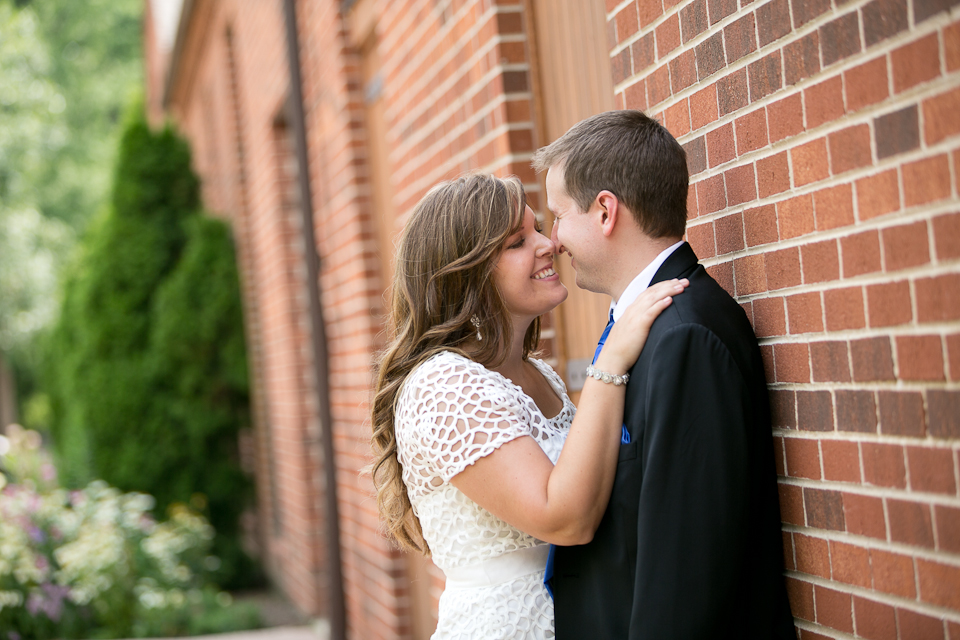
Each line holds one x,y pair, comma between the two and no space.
823,140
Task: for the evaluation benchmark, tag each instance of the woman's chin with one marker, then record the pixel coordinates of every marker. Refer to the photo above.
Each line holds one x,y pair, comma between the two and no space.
560,298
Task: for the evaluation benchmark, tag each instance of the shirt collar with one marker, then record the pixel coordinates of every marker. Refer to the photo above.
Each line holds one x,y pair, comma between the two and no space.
641,282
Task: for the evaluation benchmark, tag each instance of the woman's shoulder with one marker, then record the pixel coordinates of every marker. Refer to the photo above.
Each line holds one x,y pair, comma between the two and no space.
449,383
446,363
447,370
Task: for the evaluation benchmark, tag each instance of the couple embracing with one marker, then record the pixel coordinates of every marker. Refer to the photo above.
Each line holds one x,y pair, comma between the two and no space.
648,511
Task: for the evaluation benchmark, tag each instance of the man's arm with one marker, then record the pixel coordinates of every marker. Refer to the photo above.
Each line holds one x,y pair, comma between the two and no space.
694,493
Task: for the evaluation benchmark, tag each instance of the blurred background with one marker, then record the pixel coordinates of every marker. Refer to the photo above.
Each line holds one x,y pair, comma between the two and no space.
123,379
199,201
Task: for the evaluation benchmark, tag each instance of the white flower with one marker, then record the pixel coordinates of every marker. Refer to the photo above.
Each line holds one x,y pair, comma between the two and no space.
176,598
10,599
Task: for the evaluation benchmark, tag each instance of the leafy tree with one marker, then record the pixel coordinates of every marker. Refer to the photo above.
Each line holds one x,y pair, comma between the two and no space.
147,363
198,359
31,106
116,388
32,131
66,69
87,55
98,359
29,249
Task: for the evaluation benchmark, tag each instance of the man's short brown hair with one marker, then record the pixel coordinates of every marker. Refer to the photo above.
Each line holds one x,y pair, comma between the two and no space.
630,155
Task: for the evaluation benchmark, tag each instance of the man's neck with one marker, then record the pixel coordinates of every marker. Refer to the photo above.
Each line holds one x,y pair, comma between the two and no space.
630,263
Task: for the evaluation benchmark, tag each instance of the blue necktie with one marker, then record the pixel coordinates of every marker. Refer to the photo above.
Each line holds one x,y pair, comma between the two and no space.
603,338
624,434
624,439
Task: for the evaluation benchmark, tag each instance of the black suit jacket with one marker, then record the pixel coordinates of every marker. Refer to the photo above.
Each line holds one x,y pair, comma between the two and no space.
690,545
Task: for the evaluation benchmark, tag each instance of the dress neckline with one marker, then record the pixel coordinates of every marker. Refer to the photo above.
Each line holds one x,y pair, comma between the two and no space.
564,399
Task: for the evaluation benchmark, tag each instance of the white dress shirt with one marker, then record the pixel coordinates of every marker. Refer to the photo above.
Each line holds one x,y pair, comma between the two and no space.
641,282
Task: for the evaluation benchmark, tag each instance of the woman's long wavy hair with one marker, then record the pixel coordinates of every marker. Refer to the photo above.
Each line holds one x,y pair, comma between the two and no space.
444,277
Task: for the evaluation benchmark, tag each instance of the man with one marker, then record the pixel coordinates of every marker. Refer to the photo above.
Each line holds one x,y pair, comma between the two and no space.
690,545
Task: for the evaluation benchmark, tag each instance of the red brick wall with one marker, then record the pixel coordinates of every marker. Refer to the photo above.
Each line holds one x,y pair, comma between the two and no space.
824,157
456,86
154,63
348,285
459,93
457,99
228,96
823,144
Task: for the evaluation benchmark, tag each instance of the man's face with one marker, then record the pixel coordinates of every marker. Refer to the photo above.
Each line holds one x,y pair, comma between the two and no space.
575,233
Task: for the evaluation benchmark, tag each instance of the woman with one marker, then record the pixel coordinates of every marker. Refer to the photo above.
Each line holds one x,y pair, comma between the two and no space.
468,429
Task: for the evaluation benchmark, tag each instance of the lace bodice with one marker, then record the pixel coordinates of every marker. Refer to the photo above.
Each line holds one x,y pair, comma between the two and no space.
450,413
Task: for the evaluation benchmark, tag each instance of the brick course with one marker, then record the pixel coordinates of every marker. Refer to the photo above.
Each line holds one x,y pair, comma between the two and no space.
845,114
457,96
824,151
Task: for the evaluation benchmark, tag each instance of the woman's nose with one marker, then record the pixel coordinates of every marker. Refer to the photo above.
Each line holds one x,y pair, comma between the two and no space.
546,246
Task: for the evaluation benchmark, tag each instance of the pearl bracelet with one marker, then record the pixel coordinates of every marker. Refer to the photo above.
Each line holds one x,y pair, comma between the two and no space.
608,378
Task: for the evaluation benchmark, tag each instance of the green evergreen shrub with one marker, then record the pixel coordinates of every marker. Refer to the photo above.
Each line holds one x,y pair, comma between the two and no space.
98,351
199,367
146,369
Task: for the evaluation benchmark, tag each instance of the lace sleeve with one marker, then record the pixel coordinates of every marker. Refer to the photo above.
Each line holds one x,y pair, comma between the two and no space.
452,413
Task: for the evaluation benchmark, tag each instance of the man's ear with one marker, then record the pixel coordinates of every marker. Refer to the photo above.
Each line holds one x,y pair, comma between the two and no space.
609,211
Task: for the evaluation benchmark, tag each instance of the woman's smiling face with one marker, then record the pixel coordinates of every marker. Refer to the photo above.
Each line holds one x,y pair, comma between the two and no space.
525,275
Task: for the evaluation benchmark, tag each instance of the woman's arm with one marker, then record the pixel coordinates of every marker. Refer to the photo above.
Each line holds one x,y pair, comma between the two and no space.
563,503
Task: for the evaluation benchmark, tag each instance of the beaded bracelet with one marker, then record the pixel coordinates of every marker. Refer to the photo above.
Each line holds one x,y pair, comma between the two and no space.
609,378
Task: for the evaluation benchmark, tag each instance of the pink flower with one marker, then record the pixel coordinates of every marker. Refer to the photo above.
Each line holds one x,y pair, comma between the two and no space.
48,472
48,601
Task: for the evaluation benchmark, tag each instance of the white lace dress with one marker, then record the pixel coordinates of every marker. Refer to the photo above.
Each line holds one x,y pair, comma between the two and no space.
450,413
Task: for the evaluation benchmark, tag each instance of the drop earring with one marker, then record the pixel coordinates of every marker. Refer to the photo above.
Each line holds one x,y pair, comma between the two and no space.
475,321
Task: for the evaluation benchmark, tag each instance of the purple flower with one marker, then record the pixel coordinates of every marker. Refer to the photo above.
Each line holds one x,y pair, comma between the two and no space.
34,603
36,534
49,601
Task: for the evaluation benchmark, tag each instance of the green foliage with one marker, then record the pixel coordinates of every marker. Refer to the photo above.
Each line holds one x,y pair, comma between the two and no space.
31,106
32,131
87,55
98,360
199,362
66,69
147,367
94,563
29,248
211,613
199,373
